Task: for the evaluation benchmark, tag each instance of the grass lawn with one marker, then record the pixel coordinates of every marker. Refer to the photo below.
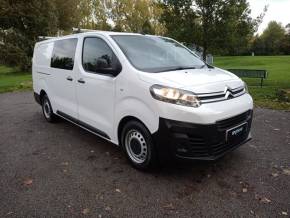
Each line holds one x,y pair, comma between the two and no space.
278,68
11,79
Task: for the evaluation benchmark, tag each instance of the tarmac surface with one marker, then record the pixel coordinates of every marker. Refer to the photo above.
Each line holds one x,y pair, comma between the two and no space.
60,170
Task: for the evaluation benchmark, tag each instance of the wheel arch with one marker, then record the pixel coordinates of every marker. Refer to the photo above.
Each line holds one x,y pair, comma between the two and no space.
41,94
139,111
123,122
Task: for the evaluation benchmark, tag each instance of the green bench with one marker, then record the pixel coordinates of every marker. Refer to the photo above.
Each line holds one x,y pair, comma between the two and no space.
261,74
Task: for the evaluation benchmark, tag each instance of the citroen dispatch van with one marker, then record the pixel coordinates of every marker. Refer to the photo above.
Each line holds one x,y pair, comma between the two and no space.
148,94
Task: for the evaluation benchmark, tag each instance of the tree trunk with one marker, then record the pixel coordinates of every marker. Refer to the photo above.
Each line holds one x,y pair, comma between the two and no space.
204,53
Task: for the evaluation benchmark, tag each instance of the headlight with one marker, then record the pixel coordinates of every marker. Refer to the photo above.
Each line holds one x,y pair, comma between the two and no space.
246,87
174,96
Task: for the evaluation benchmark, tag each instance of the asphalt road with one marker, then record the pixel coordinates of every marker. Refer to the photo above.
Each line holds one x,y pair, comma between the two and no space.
60,170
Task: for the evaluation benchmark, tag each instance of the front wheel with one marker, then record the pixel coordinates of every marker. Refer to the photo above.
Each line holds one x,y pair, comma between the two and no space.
138,145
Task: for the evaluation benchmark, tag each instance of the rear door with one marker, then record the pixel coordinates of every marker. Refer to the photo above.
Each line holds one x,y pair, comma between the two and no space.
62,86
96,88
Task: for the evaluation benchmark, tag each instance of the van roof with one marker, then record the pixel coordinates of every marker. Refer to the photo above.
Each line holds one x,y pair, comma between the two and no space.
106,33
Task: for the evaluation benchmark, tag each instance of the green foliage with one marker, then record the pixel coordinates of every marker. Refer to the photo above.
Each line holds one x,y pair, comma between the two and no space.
219,26
273,41
21,23
180,21
135,16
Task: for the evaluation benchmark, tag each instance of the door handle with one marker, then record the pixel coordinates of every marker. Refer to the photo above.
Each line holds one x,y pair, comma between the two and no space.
81,80
69,78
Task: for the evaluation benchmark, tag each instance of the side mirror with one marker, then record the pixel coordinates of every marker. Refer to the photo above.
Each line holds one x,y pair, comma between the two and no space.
108,66
117,68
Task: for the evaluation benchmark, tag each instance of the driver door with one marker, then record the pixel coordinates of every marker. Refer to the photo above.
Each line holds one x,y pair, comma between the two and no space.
96,87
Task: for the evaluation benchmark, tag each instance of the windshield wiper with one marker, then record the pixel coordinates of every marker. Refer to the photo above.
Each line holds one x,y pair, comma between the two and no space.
177,68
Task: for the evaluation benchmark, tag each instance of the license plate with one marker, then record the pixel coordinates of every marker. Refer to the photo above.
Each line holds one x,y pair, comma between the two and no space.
236,132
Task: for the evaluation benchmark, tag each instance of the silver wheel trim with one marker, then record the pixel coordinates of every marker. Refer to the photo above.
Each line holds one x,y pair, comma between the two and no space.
136,135
46,109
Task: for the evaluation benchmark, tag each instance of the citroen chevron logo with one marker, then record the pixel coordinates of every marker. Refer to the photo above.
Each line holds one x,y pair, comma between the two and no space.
228,93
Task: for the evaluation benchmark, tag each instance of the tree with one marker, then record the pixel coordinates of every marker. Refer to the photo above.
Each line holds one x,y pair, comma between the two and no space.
223,26
272,38
180,20
285,43
135,15
21,23
101,12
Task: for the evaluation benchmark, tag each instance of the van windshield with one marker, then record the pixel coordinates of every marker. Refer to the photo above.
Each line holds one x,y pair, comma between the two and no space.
156,54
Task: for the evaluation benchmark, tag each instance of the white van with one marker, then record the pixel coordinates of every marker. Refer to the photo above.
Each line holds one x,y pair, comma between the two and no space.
148,94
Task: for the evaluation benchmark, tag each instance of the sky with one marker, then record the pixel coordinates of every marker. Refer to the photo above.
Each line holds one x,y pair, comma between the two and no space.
278,10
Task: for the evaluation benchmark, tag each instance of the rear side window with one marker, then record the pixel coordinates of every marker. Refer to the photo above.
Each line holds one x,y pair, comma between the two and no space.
97,56
63,54
42,54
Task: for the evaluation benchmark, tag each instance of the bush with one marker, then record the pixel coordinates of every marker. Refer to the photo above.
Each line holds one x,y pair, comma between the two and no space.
283,95
12,55
16,50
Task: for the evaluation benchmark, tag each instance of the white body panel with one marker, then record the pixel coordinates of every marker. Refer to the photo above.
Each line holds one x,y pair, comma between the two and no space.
103,101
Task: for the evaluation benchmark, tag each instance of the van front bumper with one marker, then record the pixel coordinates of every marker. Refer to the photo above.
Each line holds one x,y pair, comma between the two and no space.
200,141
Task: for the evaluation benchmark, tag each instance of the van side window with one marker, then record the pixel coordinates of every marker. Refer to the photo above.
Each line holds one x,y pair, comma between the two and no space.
98,57
63,54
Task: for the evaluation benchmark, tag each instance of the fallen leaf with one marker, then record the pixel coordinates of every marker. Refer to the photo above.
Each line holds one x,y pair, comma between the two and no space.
252,146
85,211
64,163
275,174
28,182
245,190
284,213
234,194
118,190
107,208
169,206
286,172
265,200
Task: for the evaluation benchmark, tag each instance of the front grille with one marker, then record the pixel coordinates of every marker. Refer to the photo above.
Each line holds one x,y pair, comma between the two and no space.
221,96
234,121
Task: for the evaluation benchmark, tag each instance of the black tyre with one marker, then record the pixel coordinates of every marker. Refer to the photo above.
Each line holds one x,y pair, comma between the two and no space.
138,145
47,109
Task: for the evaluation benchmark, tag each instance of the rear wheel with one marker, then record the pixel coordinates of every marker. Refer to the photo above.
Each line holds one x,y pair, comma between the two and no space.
138,145
47,109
